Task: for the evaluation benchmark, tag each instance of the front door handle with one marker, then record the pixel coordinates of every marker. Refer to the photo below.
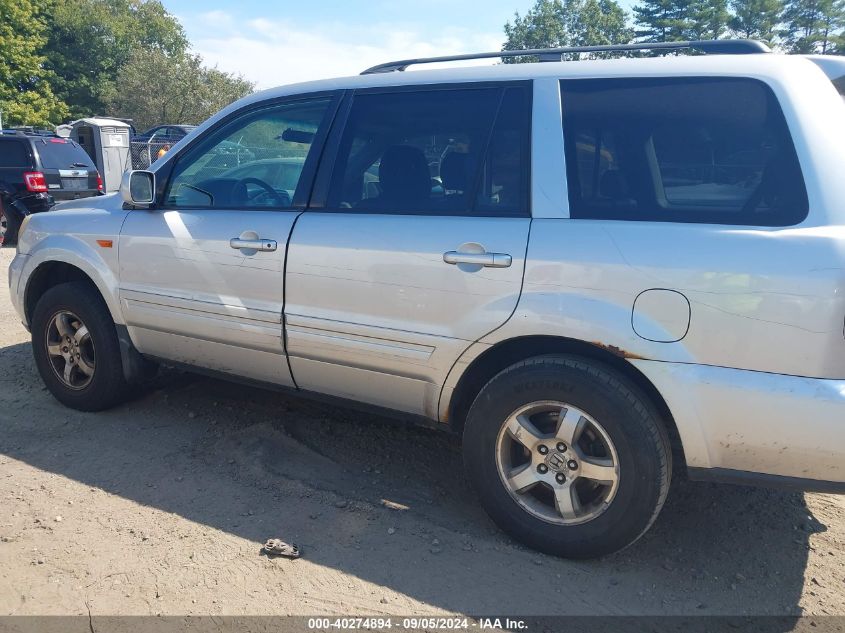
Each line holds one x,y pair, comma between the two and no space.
266,246
488,260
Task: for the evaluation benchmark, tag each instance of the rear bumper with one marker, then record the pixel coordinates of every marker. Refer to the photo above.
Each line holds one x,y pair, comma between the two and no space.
754,427
38,203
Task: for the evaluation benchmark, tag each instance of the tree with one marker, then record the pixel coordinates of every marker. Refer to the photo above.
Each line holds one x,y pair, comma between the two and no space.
599,22
559,23
813,26
154,87
91,40
679,20
26,97
832,22
756,19
659,21
706,20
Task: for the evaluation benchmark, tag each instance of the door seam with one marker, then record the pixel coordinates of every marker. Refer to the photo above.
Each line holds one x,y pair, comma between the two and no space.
498,327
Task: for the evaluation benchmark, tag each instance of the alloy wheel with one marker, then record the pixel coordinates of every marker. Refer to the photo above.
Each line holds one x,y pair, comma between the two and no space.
70,350
557,462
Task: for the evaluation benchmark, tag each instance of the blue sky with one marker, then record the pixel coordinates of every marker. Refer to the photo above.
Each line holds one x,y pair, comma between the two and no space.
274,43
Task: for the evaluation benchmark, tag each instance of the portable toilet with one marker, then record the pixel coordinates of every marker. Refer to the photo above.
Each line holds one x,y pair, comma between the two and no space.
107,143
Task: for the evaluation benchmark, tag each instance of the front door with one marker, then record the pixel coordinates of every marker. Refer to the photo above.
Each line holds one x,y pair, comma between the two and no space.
202,275
419,248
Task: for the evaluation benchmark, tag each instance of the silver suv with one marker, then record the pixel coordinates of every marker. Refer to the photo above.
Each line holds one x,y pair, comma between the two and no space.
590,269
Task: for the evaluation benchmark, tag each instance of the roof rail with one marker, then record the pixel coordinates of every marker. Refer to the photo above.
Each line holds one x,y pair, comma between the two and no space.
710,47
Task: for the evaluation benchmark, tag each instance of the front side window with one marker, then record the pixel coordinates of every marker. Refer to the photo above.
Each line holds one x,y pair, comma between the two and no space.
680,150
255,161
449,151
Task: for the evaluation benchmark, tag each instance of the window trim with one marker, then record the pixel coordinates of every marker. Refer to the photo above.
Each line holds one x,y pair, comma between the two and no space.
670,217
306,179
325,175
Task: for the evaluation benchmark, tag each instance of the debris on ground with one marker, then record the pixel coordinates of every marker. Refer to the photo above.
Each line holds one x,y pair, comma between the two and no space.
277,547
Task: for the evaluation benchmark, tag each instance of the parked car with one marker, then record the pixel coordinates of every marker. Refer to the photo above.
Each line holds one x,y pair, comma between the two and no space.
164,134
598,272
38,169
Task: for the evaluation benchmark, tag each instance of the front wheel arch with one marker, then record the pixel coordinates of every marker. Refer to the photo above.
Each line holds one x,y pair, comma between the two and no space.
49,274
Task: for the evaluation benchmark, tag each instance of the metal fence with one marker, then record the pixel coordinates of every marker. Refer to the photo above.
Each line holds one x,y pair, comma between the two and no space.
144,153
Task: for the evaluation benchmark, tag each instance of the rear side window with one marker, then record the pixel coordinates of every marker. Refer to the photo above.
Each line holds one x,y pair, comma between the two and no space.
59,153
680,150
13,154
454,151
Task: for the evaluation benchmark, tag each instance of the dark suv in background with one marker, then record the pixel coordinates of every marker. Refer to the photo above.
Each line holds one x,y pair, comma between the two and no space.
37,170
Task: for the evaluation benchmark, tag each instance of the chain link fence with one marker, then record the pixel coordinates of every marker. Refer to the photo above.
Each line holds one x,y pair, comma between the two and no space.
144,153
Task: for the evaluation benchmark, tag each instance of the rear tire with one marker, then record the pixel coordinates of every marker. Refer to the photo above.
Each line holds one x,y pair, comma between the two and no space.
567,456
76,349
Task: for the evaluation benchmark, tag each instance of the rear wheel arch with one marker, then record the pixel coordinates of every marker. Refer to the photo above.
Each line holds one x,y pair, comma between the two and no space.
509,352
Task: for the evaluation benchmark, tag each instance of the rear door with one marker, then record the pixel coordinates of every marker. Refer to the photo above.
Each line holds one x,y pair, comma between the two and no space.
414,246
201,276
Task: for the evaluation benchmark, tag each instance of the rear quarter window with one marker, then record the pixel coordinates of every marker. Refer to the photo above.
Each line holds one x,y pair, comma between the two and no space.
62,154
13,154
704,150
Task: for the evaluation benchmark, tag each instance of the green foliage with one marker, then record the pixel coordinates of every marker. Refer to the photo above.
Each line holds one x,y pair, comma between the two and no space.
154,87
659,20
756,19
559,23
813,26
25,94
91,40
677,20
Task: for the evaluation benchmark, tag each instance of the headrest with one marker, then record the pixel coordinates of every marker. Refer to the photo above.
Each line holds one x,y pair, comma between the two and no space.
403,173
454,172
611,185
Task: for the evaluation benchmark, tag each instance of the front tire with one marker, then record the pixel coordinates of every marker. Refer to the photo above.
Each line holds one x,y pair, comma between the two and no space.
567,456
76,349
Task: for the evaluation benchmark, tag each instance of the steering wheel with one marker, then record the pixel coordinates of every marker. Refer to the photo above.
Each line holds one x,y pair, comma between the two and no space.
241,193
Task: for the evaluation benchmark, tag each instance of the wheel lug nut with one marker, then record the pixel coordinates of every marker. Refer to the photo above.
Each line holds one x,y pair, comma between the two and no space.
542,469
561,478
543,449
572,464
561,447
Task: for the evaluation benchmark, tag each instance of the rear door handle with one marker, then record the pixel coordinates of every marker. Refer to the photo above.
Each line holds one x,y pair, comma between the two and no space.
266,246
488,260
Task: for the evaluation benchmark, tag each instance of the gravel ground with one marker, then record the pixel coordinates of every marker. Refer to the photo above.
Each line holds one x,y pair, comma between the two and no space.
161,506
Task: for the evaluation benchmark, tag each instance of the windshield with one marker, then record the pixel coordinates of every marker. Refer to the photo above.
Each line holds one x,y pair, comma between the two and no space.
59,153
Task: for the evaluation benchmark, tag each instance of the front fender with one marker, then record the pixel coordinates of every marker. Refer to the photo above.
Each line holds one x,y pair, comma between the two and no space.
97,262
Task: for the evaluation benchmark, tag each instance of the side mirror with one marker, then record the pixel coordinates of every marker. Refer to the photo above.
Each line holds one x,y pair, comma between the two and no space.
138,187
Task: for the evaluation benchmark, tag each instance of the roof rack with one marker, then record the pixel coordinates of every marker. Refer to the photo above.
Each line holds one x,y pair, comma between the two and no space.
27,131
710,47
